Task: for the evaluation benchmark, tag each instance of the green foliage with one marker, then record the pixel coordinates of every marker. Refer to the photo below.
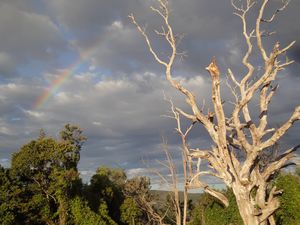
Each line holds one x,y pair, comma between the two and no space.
43,187
83,215
72,136
289,212
19,204
106,186
45,173
130,212
104,212
210,211
7,189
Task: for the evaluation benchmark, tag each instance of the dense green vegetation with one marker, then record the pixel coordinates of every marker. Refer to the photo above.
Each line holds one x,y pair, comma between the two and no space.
209,211
43,187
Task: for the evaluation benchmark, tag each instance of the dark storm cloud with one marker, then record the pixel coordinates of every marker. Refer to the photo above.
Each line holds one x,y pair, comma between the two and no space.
93,24
210,29
7,65
87,19
26,37
295,53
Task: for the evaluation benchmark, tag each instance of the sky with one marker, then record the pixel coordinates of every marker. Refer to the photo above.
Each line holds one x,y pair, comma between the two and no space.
83,62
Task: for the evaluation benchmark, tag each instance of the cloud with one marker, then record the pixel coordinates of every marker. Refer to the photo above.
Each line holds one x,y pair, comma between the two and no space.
136,172
208,27
27,37
115,90
124,114
4,162
7,65
35,114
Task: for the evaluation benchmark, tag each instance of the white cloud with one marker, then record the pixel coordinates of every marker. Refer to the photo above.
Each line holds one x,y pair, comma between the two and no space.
117,25
35,114
62,97
5,130
137,172
96,123
109,86
86,172
86,175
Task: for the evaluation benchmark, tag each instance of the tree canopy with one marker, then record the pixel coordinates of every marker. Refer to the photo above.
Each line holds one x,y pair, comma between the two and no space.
43,187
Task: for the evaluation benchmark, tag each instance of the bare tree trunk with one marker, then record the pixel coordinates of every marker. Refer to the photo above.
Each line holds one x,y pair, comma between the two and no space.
246,208
239,131
185,202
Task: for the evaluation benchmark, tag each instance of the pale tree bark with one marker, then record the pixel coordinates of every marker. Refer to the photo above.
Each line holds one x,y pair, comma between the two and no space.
186,164
238,131
171,181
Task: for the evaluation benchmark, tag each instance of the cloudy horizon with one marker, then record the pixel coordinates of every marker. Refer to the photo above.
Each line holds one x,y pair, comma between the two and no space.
83,62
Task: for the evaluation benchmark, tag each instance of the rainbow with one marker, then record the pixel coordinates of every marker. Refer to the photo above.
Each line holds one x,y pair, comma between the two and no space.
65,74
62,77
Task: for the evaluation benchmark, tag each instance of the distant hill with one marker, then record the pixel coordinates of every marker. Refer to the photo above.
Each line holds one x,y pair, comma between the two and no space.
162,195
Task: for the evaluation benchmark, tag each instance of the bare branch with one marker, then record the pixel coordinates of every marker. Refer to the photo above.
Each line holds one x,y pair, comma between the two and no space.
197,153
258,32
276,12
238,132
286,48
272,205
142,31
186,115
217,195
279,162
281,131
231,75
171,39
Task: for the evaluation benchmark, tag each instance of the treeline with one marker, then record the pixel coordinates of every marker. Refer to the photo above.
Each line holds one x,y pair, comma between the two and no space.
43,187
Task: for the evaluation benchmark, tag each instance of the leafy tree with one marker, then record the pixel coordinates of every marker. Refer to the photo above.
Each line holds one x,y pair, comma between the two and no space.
210,211
289,211
48,168
19,202
104,211
130,212
83,215
73,135
7,201
106,191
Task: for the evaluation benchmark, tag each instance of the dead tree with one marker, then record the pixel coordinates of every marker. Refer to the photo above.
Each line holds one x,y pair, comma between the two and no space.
239,131
138,189
171,181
